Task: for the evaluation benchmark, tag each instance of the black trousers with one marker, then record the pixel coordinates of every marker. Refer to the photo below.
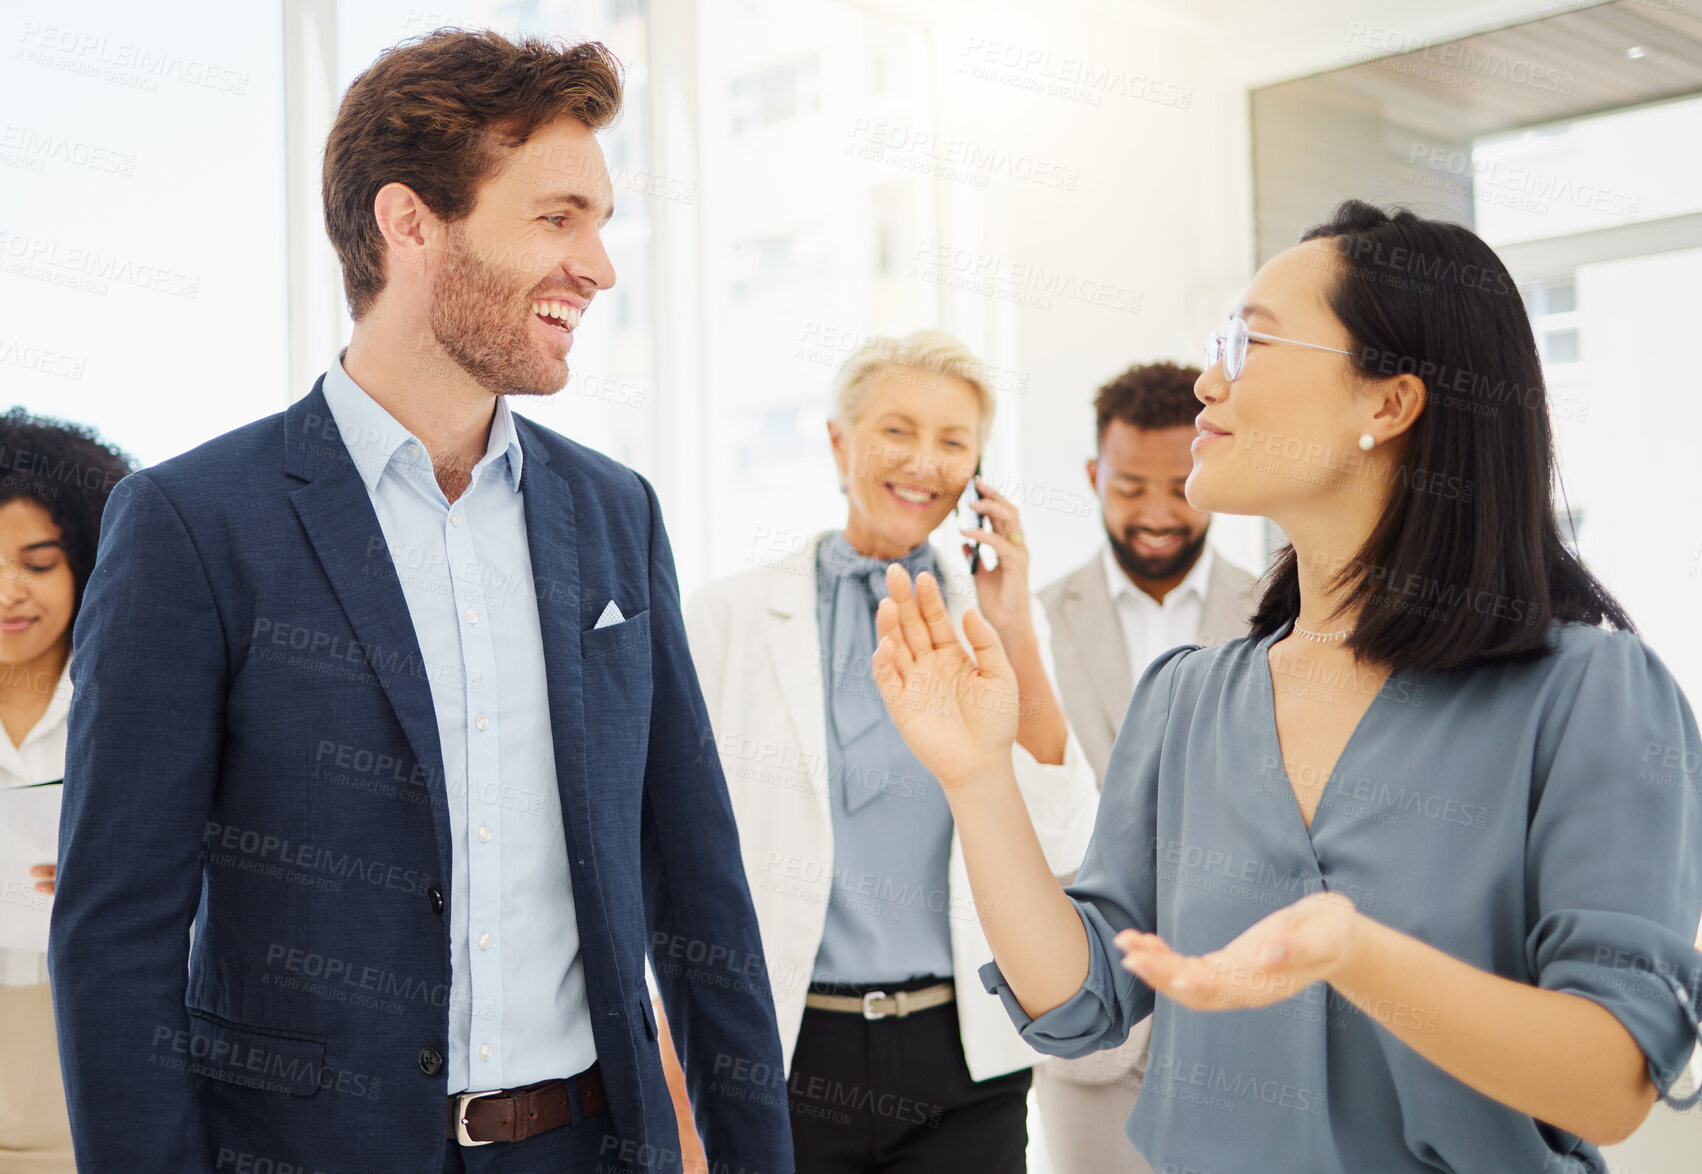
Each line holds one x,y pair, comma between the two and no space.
895,1096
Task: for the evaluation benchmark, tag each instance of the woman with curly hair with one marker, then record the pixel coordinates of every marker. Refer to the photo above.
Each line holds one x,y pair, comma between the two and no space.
55,479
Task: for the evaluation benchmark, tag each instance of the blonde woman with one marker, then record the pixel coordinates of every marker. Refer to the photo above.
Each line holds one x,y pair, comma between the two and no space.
872,941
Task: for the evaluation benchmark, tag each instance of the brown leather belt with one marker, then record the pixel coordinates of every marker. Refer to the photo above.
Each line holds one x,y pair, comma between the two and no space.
514,1114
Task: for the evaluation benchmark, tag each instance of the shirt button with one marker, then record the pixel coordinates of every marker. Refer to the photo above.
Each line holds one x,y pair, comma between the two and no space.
484,833
431,1061
435,896
472,616
454,518
484,941
484,1051
482,722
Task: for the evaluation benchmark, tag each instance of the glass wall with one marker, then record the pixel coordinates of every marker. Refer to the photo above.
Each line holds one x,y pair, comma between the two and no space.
142,268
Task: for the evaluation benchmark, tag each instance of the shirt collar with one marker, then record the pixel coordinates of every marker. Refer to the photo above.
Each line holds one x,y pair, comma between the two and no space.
1194,582
58,708
375,438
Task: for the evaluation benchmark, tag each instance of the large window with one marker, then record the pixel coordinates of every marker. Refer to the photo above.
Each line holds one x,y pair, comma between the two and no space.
814,144
142,267
1596,217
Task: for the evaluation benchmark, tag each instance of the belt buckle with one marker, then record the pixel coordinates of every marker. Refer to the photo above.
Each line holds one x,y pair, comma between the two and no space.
462,1100
869,1011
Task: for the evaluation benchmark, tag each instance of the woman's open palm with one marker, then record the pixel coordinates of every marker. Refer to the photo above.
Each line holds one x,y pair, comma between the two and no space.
957,713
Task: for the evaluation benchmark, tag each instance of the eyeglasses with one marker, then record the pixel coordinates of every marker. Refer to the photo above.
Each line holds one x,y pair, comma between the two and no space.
1231,348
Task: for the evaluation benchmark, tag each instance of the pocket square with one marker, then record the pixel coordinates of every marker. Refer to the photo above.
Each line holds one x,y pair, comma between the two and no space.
611,615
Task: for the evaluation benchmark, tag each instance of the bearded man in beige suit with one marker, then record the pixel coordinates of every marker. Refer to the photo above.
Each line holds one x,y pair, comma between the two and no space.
1154,585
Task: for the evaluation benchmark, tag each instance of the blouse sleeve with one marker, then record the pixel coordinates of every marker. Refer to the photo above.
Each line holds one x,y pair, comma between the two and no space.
1116,887
1613,865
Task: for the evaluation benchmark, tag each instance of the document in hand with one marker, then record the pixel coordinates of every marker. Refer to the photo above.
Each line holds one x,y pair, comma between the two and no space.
29,835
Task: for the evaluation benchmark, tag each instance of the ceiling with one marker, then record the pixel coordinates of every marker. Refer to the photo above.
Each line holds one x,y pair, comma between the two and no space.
1540,71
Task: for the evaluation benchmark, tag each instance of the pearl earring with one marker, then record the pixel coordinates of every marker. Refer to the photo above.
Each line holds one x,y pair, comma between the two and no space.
1367,442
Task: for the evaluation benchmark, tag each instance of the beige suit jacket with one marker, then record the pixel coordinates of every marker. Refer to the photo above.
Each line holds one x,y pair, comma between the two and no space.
1095,684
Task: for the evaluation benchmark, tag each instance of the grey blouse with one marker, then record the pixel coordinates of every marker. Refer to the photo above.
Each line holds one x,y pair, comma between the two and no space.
1539,820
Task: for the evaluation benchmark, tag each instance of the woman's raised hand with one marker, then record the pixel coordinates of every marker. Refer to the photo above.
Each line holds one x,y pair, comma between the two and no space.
957,713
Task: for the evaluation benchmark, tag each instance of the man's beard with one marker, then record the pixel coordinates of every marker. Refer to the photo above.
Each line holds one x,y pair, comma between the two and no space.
1140,566
472,318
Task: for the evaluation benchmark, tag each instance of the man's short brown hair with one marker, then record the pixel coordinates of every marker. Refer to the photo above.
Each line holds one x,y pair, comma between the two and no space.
433,113
1149,396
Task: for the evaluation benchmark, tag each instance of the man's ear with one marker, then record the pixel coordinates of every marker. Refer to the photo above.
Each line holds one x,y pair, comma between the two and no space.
405,223
1093,474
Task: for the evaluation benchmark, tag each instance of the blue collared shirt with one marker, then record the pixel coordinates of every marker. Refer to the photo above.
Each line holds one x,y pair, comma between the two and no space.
887,909
517,1004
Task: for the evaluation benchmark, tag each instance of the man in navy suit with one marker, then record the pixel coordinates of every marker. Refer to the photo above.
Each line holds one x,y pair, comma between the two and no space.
389,697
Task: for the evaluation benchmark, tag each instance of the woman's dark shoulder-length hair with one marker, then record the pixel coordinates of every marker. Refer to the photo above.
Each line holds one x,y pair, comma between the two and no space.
1466,563
68,471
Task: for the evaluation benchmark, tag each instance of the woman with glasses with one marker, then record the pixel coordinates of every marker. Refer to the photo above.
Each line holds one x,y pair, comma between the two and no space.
55,479
1409,878
896,1059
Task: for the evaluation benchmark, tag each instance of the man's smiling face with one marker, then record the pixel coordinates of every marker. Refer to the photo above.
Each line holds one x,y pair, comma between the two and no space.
512,278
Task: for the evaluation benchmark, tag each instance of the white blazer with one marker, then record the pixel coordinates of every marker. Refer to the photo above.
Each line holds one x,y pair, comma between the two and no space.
757,646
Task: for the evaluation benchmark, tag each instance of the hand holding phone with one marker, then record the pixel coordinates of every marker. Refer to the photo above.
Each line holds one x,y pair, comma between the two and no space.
979,522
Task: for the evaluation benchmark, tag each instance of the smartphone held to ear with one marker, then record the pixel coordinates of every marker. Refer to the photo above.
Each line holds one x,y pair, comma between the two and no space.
975,520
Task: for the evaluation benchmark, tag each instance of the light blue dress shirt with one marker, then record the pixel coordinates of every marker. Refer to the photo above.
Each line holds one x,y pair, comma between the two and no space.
517,1003
887,909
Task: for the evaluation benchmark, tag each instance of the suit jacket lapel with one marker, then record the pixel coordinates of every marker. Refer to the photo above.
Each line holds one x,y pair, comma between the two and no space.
1098,637
794,652
552,539
337,514
1228,605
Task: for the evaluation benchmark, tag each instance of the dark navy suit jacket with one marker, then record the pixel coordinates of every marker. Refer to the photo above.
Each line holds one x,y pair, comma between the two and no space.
253,749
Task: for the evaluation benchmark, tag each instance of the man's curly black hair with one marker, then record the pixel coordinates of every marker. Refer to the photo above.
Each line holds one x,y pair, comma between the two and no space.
1148,396
68,471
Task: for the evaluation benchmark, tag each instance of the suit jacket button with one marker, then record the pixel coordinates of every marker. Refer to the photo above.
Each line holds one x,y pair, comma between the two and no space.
435,896
431,1061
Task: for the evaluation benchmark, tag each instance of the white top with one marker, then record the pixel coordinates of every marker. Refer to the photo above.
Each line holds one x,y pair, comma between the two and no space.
1151,628
39,759
756,643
